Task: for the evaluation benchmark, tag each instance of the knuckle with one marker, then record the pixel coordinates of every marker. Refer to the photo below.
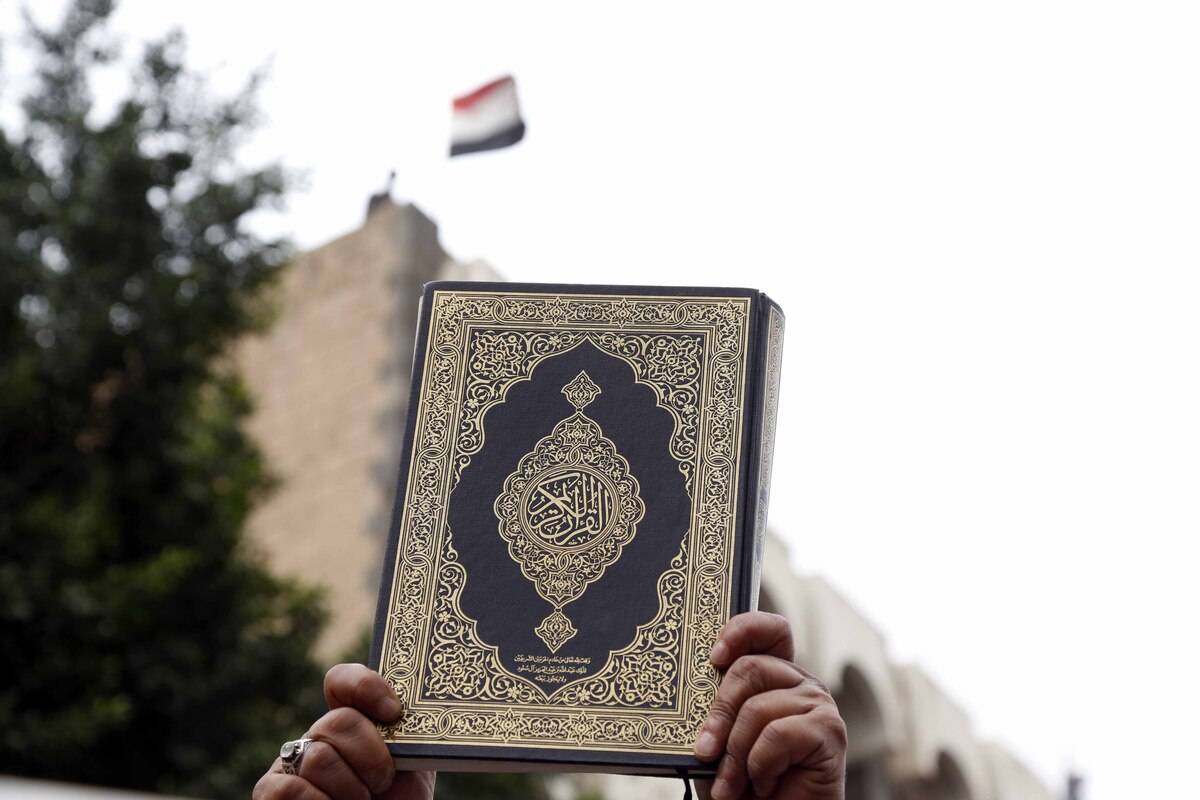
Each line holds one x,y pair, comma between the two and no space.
810,677
337,722
747,670
758,767
320,757
722,710
835,727
774,735
736,749
815,692
813,682
770,741
756,711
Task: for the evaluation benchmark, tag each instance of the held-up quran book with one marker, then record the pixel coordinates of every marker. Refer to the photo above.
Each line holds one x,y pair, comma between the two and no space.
581,507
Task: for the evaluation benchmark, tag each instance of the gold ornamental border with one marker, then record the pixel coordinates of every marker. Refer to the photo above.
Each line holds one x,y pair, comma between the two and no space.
426,569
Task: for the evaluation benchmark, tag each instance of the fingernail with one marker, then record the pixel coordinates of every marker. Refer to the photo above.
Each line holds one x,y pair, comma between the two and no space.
719,653
720,789
706,745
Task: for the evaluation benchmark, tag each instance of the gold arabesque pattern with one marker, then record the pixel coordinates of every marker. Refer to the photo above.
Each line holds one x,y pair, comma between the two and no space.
653,694
568,510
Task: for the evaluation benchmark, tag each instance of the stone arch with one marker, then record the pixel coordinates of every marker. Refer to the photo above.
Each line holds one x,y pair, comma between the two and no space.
950,780
866,760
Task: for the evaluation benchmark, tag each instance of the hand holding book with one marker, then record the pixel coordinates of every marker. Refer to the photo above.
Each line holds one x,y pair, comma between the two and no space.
581,506
348,758
773,726
580,509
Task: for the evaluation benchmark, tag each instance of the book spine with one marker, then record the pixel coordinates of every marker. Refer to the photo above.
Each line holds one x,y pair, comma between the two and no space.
416,376
771,327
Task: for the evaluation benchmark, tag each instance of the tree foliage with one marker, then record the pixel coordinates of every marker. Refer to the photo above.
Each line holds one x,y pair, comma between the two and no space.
141,645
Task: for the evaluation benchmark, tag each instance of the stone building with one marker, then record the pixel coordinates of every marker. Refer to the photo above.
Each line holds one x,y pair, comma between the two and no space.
331,383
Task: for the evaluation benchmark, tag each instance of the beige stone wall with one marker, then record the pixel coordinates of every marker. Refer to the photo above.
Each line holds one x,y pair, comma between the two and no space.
330,381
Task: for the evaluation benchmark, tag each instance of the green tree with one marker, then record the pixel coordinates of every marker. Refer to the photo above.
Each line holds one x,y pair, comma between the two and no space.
141,644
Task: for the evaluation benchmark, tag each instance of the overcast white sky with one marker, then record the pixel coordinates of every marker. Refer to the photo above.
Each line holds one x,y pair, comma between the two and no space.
982,221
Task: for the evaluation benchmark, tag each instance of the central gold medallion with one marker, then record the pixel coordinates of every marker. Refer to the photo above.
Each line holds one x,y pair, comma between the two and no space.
568,510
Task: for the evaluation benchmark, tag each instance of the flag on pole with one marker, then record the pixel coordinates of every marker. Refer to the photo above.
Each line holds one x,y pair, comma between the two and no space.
486,119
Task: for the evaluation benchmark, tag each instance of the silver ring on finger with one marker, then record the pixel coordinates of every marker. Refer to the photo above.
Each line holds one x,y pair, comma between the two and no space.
292,753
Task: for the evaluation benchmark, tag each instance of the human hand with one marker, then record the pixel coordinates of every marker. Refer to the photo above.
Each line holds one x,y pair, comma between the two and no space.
777,725
347,759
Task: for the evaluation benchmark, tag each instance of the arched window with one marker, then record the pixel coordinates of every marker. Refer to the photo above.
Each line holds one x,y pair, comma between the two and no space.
866,764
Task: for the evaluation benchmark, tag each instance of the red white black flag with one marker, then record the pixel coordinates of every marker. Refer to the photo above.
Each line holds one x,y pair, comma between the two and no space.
486,119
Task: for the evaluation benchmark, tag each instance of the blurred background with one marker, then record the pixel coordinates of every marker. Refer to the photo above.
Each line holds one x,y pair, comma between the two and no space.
981,220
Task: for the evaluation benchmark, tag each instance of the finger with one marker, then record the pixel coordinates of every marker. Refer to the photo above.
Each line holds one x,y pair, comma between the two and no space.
814,742
755,715
411,786
324,767
358,743
277,786
753,632
365,689
749,675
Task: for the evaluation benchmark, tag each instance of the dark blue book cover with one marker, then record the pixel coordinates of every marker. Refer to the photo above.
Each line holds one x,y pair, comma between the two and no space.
580,509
